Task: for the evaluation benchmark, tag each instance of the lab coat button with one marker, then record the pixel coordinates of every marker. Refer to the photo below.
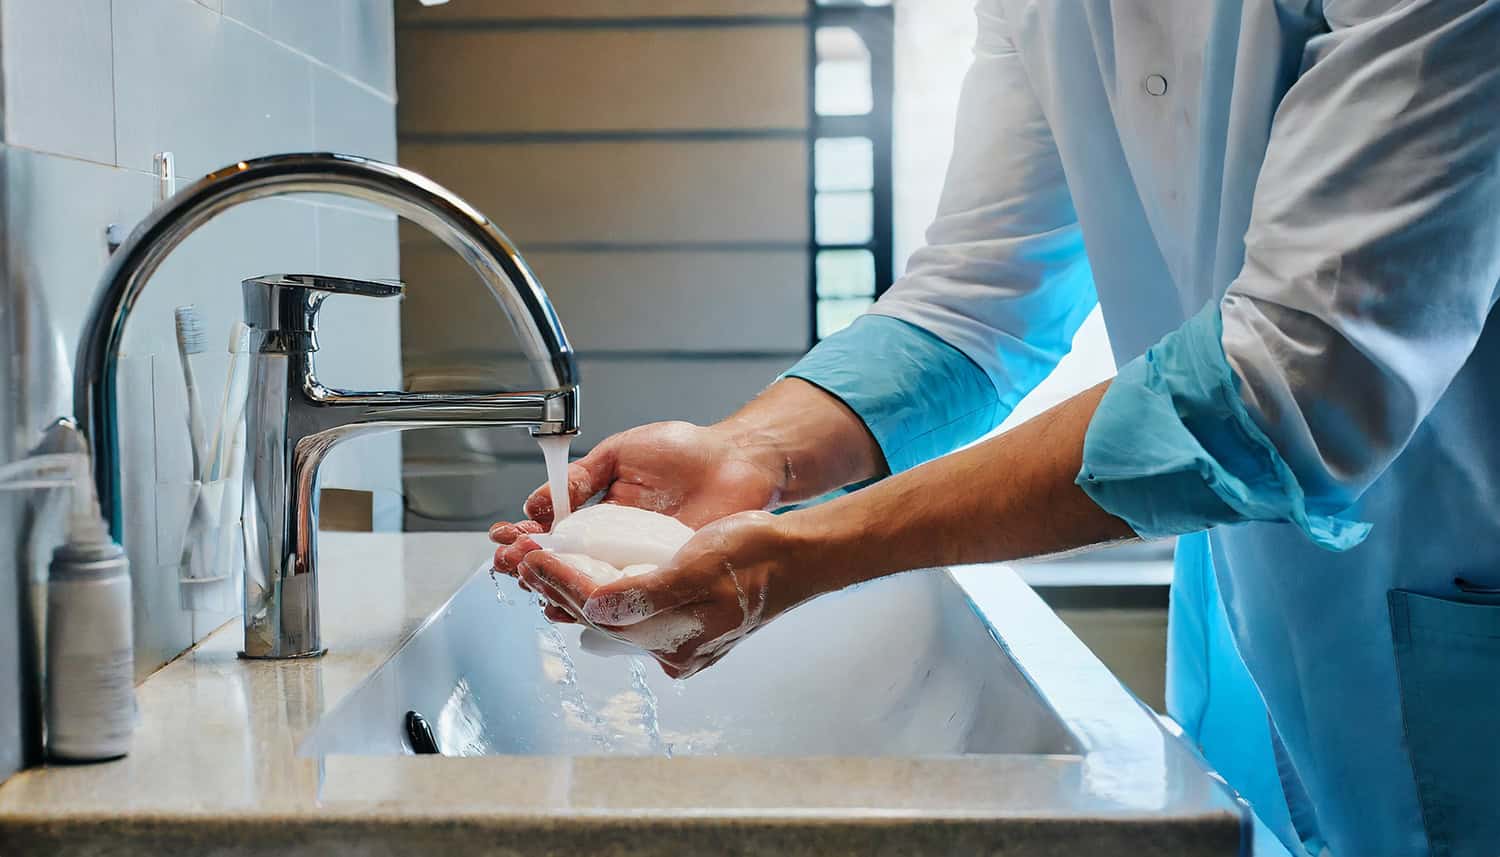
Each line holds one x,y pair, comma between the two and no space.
1156,85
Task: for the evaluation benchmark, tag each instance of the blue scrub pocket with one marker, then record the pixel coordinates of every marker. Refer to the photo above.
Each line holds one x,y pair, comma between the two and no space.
1448,663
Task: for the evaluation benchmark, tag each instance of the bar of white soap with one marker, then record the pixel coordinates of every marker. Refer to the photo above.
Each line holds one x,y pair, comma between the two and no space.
610,541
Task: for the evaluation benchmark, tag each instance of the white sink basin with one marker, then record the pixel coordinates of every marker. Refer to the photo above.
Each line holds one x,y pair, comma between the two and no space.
901,668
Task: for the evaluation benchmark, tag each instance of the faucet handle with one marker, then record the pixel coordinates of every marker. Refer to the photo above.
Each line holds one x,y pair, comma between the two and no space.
284,307
331,285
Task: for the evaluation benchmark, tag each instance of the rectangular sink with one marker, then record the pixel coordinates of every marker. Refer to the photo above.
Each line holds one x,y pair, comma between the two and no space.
904,667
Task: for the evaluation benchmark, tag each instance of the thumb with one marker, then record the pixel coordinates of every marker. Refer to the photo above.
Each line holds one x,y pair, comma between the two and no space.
632,600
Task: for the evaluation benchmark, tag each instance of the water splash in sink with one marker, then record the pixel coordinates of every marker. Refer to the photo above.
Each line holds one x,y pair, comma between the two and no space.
501,584
650,719
461,723
564,673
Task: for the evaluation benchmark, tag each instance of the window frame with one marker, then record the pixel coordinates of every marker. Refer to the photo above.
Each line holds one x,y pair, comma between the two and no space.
875,27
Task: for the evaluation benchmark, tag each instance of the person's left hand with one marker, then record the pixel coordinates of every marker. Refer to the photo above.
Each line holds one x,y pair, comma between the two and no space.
731,578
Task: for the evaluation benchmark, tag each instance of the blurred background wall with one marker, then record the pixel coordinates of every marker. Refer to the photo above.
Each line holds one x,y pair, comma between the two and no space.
92,90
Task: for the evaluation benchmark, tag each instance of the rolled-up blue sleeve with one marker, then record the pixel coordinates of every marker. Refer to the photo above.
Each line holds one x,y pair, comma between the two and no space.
1172,448
919,396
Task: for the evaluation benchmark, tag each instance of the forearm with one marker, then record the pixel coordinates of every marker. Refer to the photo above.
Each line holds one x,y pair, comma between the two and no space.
810,438
1010,497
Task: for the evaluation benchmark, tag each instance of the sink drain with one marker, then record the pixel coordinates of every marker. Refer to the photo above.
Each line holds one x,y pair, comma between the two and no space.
419,735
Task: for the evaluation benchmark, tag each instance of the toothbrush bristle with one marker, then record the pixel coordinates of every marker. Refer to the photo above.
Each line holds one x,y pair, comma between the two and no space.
189,329
239,338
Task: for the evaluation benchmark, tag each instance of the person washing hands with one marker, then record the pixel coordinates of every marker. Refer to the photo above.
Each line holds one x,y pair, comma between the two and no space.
1290,215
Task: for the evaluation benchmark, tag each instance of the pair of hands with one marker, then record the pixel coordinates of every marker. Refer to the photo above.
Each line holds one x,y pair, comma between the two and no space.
728,580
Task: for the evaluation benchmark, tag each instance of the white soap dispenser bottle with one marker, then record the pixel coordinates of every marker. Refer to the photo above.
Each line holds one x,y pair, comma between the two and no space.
90,695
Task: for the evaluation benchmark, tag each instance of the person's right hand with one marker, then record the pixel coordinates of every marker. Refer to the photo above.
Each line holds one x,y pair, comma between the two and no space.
695,474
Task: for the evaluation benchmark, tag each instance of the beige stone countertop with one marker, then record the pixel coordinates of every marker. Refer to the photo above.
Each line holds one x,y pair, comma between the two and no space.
214,767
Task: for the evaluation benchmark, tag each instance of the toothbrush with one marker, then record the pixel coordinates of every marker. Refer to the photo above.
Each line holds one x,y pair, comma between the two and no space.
233,409
190,342
229,450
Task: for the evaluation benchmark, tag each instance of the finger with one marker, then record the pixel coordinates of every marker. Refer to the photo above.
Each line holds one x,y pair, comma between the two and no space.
709,661
632,600
696,665
586,477
554,597
506,533
558,615
508,557
690,670
572,585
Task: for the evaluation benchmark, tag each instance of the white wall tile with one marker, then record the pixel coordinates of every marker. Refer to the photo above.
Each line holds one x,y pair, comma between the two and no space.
228,92
629,192
486,80
351,120
314,27
56,211
353,36
58,77
255,14
369,27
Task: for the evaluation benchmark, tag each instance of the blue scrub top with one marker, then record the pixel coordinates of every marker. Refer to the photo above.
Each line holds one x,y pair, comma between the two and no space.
1289,213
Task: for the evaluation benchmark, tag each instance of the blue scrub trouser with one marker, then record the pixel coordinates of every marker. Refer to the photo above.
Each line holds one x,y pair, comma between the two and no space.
1210,692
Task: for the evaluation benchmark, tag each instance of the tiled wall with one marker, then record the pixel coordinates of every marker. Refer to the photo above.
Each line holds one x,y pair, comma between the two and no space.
649,157
92,89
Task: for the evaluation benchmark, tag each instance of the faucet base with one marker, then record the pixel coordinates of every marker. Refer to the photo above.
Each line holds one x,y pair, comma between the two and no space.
244,656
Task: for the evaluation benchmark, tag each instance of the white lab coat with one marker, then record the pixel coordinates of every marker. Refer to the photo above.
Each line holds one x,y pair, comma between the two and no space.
1327,174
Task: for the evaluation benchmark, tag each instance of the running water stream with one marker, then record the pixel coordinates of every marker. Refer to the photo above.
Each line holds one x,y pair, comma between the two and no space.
555,451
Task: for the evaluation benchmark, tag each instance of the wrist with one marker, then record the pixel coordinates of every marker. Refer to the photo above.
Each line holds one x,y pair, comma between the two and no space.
822,549
805,438
761,449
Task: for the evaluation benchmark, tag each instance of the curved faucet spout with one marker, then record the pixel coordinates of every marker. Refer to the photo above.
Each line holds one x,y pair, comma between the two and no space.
292,421
419,199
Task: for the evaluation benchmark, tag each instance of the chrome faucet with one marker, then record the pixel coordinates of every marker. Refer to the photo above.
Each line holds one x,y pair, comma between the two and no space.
293,420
